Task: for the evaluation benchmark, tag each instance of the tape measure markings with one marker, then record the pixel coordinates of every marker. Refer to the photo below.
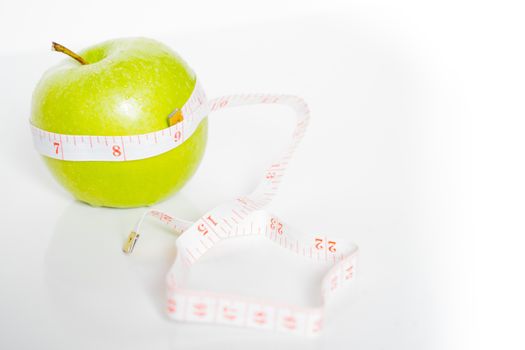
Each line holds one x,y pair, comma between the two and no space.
83,147
242,216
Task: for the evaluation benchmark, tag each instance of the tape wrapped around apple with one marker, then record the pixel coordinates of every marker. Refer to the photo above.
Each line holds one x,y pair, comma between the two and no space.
116,88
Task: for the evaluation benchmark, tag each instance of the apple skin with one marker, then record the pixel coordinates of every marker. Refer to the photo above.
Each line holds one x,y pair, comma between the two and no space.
129,87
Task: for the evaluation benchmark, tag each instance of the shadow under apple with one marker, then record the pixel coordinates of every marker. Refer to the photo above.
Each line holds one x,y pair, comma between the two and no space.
98,291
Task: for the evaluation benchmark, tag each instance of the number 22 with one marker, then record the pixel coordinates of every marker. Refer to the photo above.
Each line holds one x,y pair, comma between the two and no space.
331,245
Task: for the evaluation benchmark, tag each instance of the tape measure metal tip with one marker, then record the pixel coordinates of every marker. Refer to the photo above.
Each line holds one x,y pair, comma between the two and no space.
130,242
175,117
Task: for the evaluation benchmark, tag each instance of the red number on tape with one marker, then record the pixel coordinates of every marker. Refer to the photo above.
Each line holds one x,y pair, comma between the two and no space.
275,224
229,313
260,317
200,309
177,136
331,246
116,151
318,243
212,221
202,229
172,306
270,175
349,272
290,322
57,146
220,104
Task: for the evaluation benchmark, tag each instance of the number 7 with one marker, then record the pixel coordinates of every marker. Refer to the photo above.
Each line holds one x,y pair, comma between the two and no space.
57,146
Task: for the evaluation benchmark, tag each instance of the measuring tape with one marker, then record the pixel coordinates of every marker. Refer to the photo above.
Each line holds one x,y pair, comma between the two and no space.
239,217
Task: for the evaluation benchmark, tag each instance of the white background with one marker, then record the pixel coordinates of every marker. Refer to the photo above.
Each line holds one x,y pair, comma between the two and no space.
415,152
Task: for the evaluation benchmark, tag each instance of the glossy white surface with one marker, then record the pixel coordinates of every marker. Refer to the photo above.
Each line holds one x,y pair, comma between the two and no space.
395,159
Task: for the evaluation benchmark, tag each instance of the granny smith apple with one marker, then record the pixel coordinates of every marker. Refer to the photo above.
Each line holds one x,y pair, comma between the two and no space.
119,87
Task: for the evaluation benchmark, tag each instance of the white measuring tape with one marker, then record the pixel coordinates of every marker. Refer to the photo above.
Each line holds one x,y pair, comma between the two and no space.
239,217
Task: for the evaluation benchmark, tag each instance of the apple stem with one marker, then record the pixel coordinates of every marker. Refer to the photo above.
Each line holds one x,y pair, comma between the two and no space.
60,48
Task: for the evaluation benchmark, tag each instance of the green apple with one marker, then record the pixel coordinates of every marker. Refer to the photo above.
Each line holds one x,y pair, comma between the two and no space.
126,87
